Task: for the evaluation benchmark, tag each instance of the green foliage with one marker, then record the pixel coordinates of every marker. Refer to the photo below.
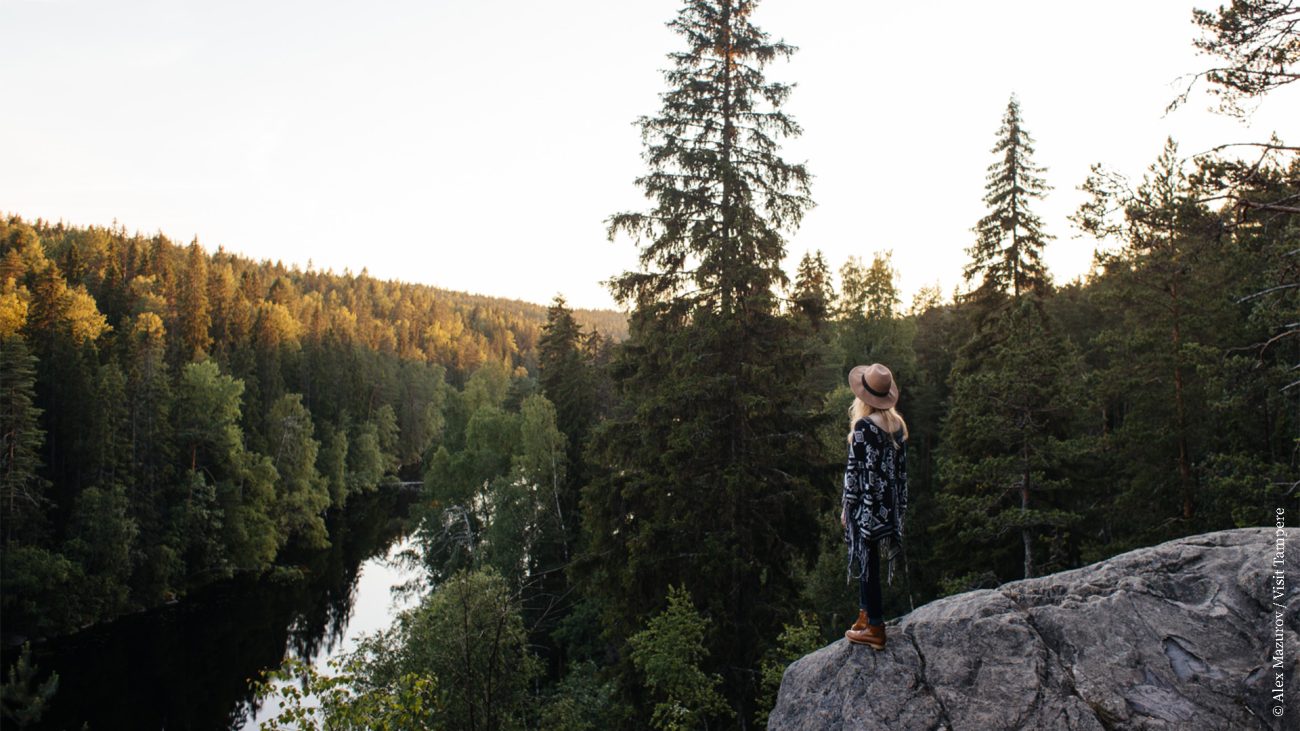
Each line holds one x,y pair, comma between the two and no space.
39,589
366,461
489,430
567,375
1011,438
469,636
868,329
487,387
346,701
543,448
207,413
193,314
668,653
1007,255
248,507
333,463
302,495
795,641
722,194
869,291
459,660
102,540
22,698
167,374
22,489
171,415
814,293
703,472
1258,44
580,702
1165,284
386,431
420,417
195,527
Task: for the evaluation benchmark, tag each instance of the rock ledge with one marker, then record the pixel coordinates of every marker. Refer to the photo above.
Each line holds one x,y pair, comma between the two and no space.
1175,636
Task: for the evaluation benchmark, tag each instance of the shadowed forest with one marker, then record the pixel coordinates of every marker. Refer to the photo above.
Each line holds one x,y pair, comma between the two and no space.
631,521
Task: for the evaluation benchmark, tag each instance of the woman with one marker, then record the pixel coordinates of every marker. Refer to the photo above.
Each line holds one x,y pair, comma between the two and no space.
875,494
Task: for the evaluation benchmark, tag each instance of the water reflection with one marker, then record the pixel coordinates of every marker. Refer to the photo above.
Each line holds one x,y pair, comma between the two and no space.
186,666
371,608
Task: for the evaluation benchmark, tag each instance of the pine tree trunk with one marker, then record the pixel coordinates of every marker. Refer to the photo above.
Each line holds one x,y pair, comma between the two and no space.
1024,508
1180,410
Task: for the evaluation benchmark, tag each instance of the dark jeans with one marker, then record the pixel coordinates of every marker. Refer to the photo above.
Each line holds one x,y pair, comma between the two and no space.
869,587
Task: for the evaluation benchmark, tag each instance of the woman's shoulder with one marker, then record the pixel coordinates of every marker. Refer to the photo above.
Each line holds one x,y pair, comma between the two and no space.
870,430
873,424
869,425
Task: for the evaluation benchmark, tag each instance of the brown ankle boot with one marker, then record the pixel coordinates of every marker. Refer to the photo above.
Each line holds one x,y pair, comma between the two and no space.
874,636
861,624
855,634
863,633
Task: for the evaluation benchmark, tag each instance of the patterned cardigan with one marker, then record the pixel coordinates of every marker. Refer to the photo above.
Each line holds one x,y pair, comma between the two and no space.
875,495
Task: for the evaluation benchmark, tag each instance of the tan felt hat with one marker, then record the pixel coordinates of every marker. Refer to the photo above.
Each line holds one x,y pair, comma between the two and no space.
875,385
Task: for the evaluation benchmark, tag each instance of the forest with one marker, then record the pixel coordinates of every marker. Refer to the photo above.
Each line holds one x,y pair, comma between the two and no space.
634,524
171,416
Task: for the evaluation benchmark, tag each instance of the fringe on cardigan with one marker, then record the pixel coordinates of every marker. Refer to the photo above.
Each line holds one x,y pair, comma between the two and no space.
860,554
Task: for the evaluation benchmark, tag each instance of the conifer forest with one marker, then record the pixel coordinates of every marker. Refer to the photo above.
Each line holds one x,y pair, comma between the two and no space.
630,520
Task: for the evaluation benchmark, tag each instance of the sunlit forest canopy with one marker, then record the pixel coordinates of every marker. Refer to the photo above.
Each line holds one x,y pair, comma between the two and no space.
458,330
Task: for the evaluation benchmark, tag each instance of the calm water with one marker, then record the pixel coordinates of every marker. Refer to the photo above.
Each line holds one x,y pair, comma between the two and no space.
187,665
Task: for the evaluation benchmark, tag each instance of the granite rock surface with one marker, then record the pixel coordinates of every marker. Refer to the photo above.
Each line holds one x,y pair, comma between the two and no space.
1182,635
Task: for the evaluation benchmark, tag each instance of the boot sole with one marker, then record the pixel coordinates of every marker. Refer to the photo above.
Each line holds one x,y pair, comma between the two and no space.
872,645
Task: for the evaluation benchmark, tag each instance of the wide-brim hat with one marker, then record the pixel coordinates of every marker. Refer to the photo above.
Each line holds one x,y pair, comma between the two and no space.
875,385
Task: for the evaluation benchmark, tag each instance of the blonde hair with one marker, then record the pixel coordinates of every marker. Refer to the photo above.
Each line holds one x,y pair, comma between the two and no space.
893,420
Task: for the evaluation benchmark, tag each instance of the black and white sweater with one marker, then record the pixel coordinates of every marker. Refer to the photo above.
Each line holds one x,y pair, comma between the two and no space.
875,495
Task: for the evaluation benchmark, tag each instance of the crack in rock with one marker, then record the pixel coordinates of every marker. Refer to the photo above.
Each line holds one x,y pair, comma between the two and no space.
925,681
1054,655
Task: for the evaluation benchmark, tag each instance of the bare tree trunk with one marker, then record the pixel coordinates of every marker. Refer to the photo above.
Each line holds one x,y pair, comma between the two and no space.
1180,411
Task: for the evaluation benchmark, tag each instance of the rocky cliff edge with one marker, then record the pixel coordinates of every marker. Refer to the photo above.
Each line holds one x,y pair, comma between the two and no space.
1182,635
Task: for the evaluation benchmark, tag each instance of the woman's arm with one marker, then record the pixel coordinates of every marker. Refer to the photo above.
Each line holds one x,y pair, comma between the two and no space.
902,485
855,488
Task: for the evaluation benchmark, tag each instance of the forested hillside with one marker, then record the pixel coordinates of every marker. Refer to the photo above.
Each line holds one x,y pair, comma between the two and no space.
171,414
675,539
641,531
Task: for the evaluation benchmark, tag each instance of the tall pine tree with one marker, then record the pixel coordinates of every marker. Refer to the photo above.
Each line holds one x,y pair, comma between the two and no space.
705,464
813,291
22,489
1007,255
1165,284
1010,432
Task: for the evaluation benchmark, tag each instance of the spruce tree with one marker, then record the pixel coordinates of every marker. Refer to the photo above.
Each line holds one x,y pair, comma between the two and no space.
722,195
1007,255
1010,438
22,488
705,465
1165,286
1010,432
193,316
563,374
812,304
813,291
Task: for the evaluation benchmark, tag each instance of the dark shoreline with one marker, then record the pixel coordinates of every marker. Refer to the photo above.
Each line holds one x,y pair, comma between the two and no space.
187,663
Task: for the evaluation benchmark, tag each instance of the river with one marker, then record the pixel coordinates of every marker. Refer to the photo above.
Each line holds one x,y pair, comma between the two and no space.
186,665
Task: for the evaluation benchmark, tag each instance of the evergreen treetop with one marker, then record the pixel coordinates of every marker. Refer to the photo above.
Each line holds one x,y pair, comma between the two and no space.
722,195
1007,254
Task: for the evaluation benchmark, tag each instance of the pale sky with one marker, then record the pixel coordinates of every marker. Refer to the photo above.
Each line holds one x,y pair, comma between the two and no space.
480,145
